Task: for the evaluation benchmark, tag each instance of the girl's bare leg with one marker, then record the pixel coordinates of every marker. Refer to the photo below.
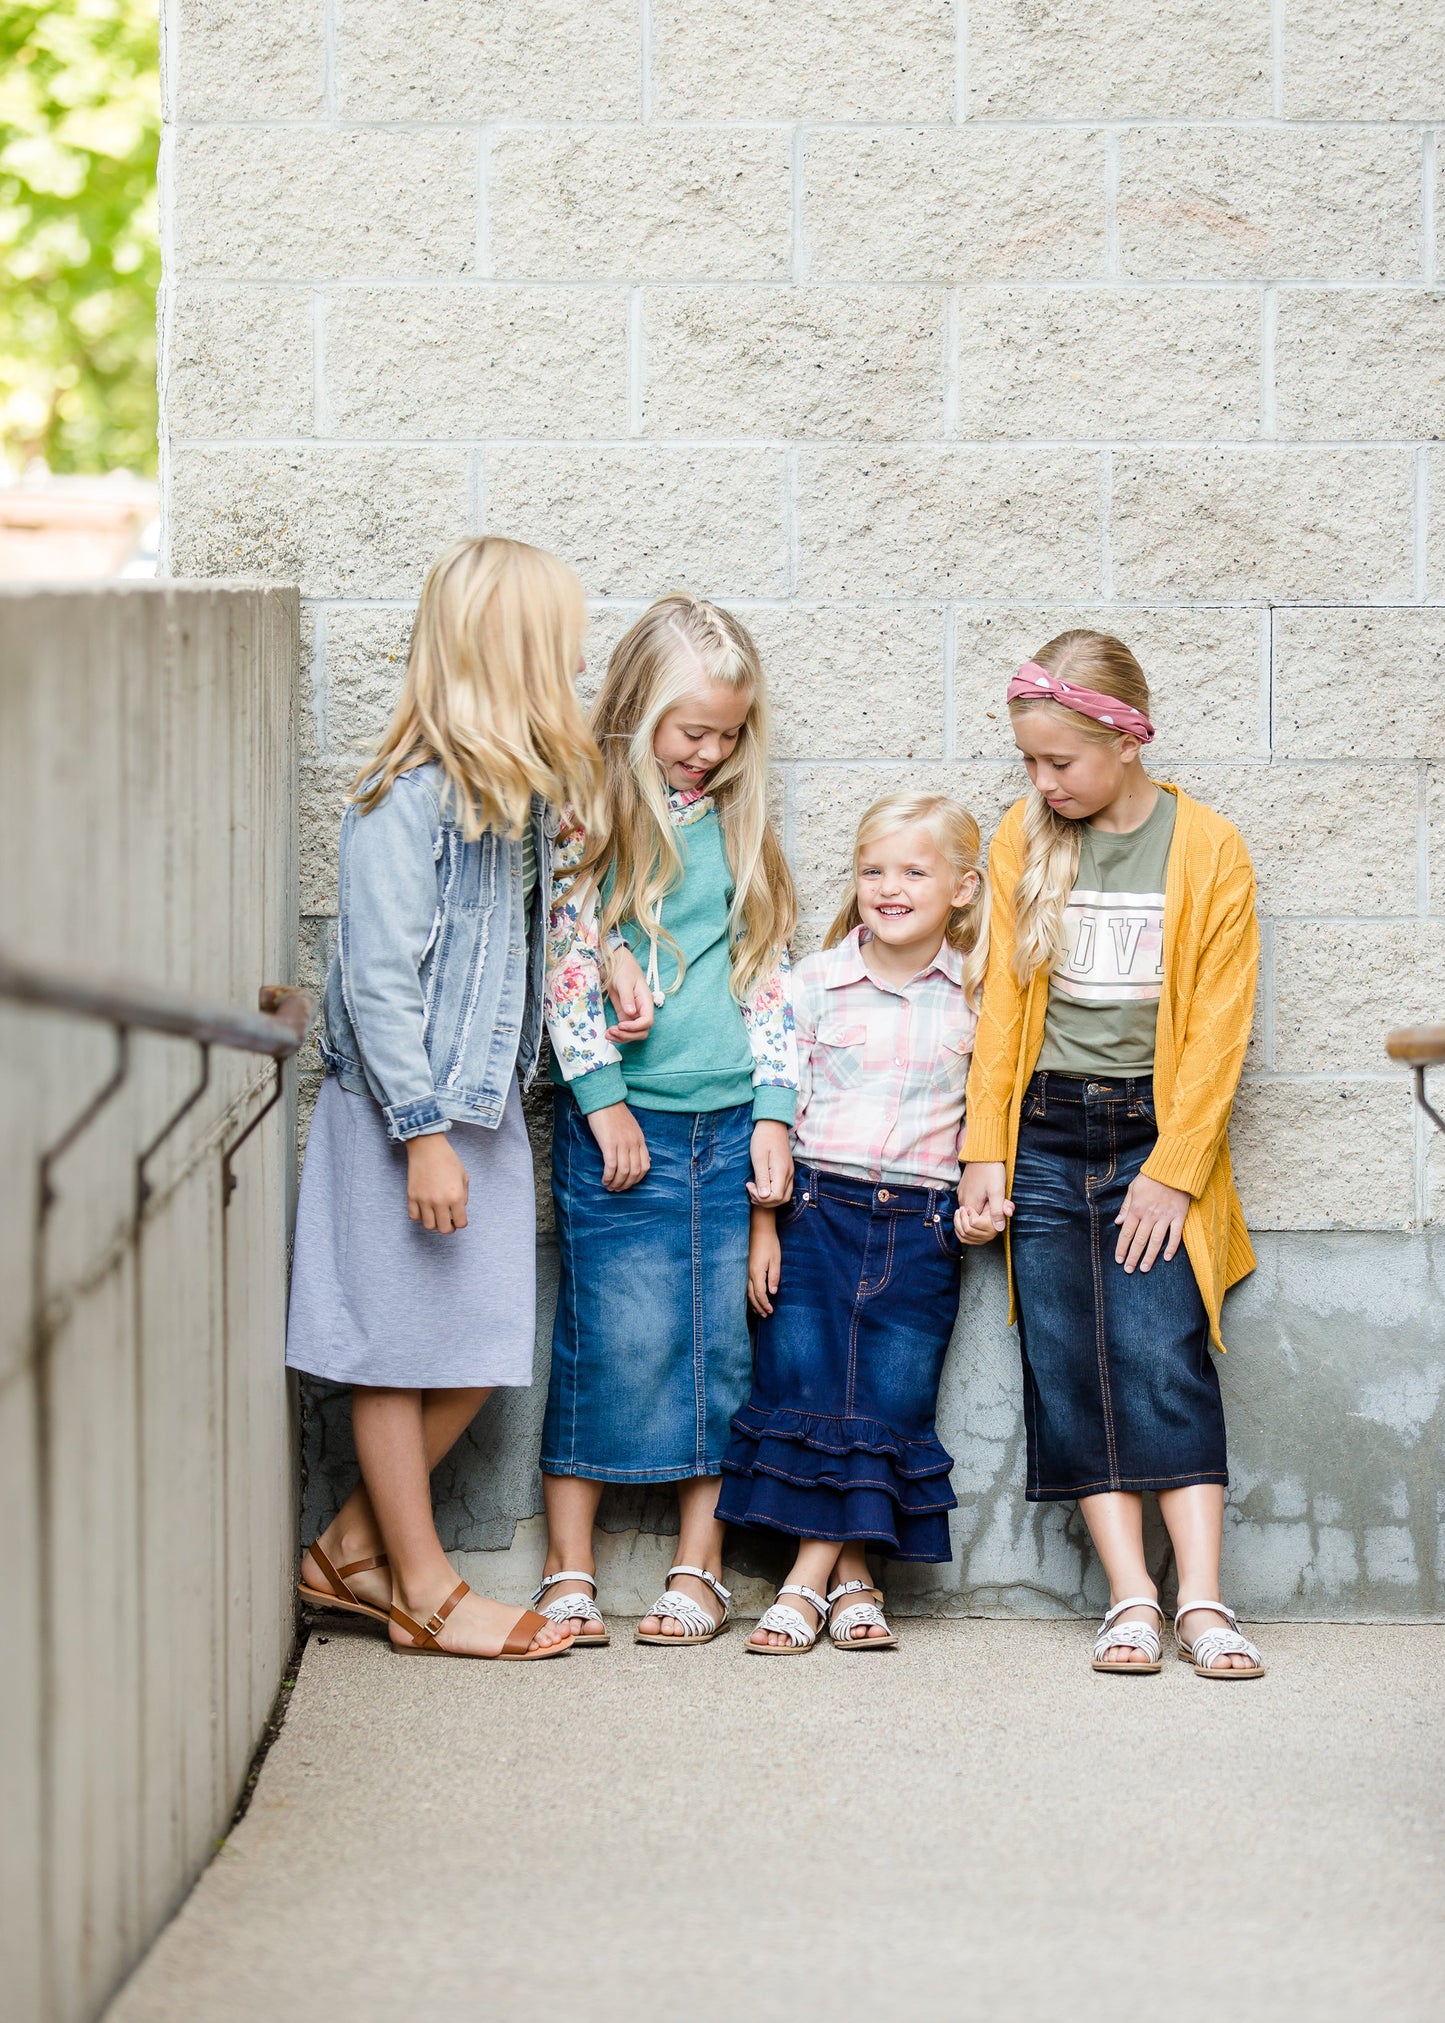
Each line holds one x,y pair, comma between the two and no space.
853,1565
1194,1519
699,1543
391,1448
354,1533
1116,1525
571,1516
811,1568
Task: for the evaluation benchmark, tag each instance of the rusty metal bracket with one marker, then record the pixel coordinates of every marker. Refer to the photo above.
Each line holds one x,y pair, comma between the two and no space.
203,1082
228,1177
82,1123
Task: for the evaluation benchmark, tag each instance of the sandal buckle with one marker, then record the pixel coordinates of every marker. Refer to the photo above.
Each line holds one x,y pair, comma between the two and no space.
434,1625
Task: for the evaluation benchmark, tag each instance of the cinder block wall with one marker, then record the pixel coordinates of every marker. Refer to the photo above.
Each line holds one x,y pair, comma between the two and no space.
915,332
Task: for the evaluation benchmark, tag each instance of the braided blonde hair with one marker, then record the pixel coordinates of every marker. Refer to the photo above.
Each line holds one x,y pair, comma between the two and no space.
955,832
1051,841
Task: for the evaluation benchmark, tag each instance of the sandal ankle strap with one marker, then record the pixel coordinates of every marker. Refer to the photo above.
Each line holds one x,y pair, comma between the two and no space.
701,1573
550,1580
854,1587
427,1633
1111,1616
1219,1608
809,1594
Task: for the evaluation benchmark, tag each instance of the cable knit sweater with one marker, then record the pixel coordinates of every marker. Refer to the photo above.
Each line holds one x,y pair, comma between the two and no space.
1211,957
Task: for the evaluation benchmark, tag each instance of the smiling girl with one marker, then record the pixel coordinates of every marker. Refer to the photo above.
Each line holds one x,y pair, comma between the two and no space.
857,1282
1115,1020
654,1160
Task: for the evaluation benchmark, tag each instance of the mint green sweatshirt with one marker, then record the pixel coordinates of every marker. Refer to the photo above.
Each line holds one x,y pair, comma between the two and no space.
697,1055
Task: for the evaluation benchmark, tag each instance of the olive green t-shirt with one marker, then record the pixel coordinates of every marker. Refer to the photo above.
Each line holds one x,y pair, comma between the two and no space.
1104,996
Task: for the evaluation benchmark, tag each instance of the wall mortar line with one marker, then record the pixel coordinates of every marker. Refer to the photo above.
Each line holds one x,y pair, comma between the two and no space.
644,39
960,62
1428,257
330,74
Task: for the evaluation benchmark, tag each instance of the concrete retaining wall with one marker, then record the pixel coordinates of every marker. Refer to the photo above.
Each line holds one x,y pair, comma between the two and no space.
147,1455
916,332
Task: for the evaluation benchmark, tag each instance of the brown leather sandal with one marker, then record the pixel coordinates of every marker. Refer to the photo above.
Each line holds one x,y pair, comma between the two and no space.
340,1596
516,1644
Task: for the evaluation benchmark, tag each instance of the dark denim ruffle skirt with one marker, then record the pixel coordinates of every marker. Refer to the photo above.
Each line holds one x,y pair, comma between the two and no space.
837,1440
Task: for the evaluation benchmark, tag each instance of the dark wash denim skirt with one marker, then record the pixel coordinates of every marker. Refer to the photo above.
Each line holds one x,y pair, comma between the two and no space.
837,1440
1120,1388
650,1349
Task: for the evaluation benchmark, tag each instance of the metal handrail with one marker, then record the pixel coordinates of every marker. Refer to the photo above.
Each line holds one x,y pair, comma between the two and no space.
1419,1047
277,1028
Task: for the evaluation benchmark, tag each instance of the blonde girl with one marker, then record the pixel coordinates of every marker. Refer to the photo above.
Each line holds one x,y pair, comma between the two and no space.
414,1276
1115,1019
655,1156
857,1281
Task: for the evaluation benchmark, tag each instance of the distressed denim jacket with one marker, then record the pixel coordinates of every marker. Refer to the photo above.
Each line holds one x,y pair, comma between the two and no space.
434,996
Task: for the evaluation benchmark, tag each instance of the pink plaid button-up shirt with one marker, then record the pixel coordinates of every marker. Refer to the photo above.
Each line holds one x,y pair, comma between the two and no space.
881,1071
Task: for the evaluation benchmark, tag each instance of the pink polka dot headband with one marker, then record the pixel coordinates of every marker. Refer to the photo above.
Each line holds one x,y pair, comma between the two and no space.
1033,683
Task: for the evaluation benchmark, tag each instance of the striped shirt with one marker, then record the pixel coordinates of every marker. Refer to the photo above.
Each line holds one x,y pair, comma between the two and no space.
881,1069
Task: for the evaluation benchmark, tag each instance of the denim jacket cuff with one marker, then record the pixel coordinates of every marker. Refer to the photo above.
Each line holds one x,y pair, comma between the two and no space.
414,1119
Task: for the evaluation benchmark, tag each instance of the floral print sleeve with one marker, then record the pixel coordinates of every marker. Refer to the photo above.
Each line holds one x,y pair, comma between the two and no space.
768,1016
576,1013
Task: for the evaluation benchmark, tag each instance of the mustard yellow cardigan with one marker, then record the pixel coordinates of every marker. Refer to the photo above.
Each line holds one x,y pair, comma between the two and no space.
1211,957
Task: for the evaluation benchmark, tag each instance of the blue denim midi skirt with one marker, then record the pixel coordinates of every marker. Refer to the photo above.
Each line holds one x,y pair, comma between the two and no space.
650,1350
1120,1388
837,1440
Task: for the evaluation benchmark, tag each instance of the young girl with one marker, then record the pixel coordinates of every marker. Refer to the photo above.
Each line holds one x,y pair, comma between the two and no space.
859,1290
654,1159
414,1276
1115,1020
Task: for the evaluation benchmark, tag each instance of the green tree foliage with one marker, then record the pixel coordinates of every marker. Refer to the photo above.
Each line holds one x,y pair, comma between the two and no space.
79,255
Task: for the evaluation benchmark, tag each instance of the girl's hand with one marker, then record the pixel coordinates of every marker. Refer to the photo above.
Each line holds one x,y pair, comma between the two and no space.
625,1157
772,1181
983,1206
631,999
765,1260
436,1184
1152,1217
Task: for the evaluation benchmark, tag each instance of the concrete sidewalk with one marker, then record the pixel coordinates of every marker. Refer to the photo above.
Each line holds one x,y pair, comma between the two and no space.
974,1826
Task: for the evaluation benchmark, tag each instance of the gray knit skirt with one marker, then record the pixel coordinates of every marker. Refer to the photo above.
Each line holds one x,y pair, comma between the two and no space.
377,1299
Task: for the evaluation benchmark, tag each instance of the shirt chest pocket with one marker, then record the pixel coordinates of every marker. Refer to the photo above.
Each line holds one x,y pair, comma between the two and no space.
838,1053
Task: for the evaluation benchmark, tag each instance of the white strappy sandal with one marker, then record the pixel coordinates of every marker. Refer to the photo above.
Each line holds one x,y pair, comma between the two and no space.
698,1626
844,1628
574,1608
1134,1636
789,1622
1212,1645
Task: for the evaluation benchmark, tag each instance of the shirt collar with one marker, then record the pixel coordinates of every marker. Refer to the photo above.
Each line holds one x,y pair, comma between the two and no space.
846,964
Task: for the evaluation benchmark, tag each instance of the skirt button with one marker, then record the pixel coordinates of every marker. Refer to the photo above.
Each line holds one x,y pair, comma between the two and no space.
884,1195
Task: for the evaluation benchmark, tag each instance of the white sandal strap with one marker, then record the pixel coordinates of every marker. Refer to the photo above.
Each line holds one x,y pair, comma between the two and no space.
862,1615
550,1580
570,1608
809,1594
788,1622
724,1594
1219,1609
1208,1649
852,1587
681,1608
1132,1602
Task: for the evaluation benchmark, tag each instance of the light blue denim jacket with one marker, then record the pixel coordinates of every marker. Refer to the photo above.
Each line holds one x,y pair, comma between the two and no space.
434,996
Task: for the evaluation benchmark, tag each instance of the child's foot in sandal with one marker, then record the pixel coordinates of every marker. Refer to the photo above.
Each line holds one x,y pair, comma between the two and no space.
790,1625
1215,1647
687,1611
1128,1640
570,1605
856,1621
457,1623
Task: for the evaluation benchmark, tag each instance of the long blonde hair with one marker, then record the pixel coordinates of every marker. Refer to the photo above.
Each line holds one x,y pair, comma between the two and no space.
676,649
1051,841
955,832
491,690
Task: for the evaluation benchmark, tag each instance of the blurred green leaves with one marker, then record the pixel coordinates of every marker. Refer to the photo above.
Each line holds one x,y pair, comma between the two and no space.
79,255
